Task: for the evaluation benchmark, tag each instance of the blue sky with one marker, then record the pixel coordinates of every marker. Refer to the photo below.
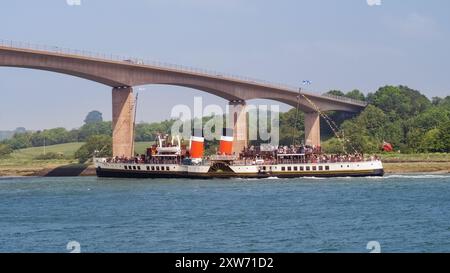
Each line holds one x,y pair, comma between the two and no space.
336,44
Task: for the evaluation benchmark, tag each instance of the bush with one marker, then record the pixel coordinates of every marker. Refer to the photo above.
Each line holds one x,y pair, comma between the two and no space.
100,143
49,156
333,146
5,150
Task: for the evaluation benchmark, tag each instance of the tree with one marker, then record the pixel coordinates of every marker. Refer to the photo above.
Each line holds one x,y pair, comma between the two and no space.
419,102
5,150
436,100
73,135
50,137
336,93
357,138
431,118
148,132
393,132
373,120
20,130
333,146
431,141
91,129
399,102
93,117
444,136
292,126
356,94
20,141
326,132
414,139
444,103
100,143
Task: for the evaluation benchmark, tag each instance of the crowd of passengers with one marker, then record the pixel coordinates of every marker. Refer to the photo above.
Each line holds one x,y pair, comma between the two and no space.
143,159
303,149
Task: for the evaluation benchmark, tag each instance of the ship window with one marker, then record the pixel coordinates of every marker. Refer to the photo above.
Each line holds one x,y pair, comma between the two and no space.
264,168
153,168
134,167
301,168
348,166
167,168
342,166
295,168
308,168
148,168
314,168
126,167
157,168
139,167
327,168
320,168
283,168
289,168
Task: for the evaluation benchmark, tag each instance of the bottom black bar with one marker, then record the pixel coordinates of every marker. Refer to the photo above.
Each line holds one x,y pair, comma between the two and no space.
222,262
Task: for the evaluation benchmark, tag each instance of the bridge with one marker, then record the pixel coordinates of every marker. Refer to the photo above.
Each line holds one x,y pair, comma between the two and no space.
124,73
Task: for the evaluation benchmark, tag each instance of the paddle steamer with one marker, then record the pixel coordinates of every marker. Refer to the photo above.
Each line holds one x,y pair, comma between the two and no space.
168,158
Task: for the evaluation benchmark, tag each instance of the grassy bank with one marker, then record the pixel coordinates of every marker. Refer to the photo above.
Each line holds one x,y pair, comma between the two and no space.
24,163
417,167
410,158
416,163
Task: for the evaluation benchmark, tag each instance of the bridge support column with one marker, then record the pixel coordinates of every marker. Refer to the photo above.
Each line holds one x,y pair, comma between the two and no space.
312,128
238,121
122,121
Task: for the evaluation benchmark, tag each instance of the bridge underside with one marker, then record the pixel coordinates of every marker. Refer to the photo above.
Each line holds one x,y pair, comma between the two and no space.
123,75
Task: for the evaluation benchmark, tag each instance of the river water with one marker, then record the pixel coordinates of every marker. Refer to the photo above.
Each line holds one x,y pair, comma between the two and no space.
403,213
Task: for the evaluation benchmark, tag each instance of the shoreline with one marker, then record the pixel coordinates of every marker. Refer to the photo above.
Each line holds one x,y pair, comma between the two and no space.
74,170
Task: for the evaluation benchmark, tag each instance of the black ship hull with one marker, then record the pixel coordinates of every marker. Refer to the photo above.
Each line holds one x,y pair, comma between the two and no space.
115,173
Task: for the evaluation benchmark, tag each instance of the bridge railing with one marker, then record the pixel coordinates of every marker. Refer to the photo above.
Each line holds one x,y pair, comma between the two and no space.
359,102
158,64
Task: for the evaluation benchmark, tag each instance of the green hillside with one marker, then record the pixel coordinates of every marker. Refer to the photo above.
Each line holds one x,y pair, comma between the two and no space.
68,150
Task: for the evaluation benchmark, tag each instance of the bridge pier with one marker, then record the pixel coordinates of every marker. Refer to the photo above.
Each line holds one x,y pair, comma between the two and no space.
312,128
238,121
122,121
